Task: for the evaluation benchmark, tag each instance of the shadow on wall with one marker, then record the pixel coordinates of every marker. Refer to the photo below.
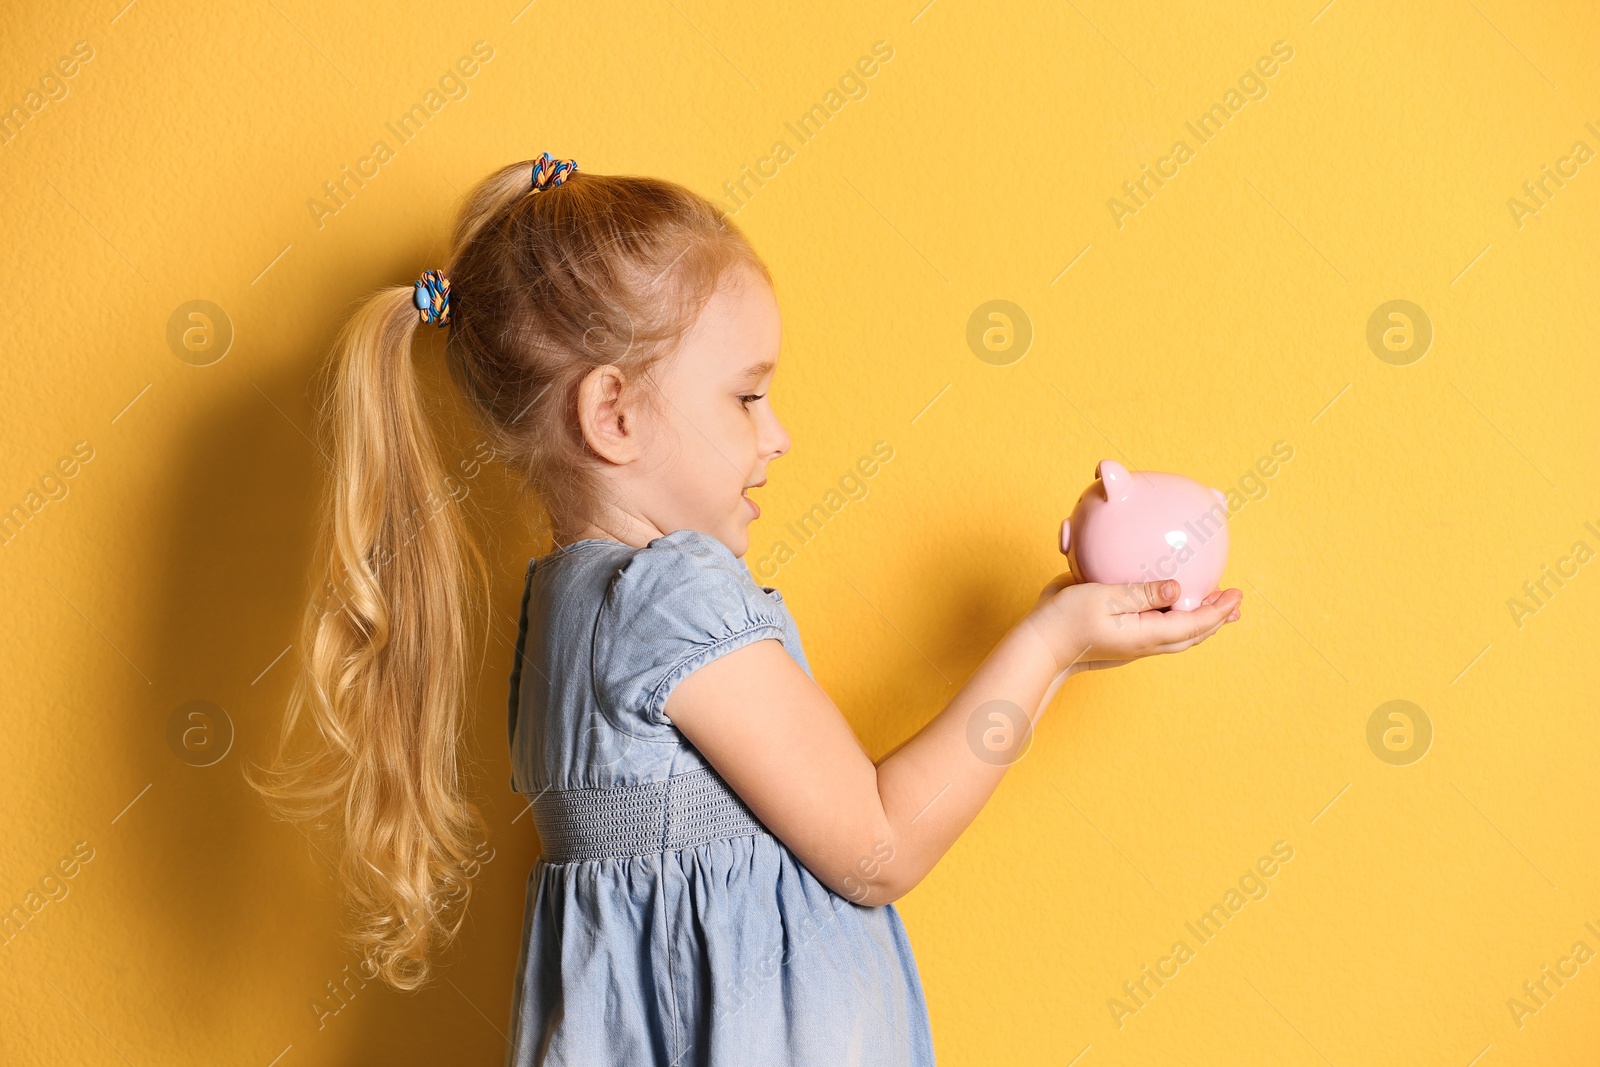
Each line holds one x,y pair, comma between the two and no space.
249,909
239,903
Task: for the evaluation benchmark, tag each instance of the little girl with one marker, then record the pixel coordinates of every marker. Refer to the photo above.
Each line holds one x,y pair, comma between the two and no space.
719,855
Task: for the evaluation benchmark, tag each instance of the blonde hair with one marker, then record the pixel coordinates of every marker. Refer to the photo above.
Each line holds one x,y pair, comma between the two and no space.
545,285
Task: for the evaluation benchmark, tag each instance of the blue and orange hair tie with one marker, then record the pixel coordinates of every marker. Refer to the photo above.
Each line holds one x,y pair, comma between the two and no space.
431,295
549,172
431,292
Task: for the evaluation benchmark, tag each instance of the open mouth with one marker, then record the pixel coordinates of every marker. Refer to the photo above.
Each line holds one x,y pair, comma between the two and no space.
745,492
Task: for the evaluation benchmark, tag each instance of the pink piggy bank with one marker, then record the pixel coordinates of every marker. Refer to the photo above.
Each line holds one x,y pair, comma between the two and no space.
1146,526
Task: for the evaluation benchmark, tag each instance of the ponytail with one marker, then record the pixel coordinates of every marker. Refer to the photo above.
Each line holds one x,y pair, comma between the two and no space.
550,279
384,658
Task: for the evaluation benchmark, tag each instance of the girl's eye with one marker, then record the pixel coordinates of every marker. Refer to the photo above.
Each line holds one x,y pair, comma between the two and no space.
748,397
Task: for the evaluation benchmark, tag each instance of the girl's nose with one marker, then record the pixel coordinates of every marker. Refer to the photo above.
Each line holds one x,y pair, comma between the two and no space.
779,438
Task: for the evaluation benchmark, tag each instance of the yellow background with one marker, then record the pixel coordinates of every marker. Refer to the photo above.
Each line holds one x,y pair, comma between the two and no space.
1227,315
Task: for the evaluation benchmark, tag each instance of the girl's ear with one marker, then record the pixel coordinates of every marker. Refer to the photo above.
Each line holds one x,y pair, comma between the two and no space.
609,419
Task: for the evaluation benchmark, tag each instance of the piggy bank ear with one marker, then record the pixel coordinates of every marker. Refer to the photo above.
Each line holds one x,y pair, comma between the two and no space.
1116,479
1066,534
1222,498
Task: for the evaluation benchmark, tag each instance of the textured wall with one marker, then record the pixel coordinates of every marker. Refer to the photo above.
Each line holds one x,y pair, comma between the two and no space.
160,497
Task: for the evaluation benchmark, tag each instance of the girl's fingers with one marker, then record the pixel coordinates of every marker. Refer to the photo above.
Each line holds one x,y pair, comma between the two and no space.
1179,646
1174,626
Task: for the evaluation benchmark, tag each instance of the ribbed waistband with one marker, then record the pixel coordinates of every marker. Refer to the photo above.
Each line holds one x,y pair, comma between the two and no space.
683,810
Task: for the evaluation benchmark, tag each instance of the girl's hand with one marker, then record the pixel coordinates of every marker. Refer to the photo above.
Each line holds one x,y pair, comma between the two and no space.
1088,626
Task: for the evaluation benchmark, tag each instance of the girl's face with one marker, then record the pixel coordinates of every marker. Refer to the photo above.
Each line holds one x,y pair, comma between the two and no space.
690,464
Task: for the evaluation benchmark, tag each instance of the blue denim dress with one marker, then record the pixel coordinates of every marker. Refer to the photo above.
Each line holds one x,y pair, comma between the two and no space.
664,924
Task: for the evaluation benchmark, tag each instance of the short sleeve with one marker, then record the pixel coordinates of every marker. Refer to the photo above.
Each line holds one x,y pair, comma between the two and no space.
675,605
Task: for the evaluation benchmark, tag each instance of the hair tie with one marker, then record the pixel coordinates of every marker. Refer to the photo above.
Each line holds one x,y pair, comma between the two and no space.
431,295
431,292
549,172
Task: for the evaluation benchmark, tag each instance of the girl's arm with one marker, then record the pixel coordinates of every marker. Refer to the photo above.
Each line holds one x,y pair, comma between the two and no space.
871,833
